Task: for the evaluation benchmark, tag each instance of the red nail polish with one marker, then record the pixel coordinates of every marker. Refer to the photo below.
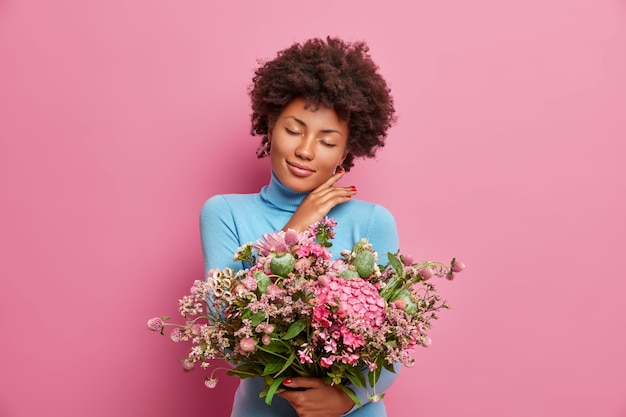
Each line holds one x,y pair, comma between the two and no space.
287,381
353,188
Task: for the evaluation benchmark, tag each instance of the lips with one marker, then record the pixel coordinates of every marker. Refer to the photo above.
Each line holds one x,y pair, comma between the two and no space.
299,170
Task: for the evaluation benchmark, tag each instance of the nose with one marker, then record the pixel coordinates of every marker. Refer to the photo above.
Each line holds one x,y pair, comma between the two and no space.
306,148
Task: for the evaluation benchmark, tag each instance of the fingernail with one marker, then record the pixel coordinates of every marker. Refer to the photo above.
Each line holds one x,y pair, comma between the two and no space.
287,381
353,188
340,171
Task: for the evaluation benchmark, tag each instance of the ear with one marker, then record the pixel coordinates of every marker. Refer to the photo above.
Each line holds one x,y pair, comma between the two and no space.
271,121
344,156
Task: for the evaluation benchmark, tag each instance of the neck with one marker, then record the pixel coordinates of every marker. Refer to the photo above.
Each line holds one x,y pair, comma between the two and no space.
278,195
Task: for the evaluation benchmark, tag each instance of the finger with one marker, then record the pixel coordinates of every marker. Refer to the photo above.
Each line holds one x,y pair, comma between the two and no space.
333,193
330,181
300,382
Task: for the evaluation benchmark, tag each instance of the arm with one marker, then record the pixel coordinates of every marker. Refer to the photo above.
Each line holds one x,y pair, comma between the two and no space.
319,202
218,234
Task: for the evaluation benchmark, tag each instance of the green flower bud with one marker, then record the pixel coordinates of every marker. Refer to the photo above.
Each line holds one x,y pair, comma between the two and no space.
282,265
364,263
348,274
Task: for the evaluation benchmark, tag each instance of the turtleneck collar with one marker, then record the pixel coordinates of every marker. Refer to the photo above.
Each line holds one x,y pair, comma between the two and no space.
281,197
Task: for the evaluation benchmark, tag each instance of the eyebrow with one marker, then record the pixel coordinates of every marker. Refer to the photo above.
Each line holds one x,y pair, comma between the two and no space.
301,123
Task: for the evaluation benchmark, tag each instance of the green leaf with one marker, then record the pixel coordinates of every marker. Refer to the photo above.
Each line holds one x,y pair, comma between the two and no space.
395,262
242,374
350,394
287,363
273,388
258,317
273,367
295,329
246,370
374,375
357,378
165,318
389,367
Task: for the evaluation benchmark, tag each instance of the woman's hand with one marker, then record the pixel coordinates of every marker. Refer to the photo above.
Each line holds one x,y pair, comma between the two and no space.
316,399
319,202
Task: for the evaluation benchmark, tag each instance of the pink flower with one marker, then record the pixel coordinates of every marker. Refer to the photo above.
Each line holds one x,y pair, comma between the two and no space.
210,382
239,289
327,362
458,266
274,290
362,300
266,339
176,335
352,340
247,345
426,273
155,324
249,283
188,366
291,237
272,242
323,279
305,355
302,264
319,251
320,315
303,252
349,358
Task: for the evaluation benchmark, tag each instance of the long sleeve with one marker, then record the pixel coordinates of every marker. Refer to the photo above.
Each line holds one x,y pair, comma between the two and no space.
218,234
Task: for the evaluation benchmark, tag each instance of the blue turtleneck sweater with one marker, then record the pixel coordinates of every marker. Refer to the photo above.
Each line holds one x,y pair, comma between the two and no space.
231,220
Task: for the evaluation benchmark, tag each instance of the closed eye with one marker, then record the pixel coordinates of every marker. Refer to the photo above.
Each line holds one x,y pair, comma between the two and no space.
292,132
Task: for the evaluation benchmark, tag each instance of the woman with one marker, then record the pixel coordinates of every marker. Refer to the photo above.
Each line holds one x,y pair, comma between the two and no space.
317,106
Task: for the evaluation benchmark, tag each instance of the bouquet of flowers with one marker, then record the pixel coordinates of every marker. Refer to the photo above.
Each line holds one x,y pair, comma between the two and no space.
297,312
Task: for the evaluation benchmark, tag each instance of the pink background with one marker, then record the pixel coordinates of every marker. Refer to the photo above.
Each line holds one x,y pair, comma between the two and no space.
119,118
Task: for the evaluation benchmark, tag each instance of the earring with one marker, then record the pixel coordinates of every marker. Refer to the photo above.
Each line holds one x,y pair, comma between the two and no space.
266,148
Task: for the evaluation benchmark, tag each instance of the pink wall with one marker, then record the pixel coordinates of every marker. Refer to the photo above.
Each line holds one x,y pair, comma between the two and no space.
119,118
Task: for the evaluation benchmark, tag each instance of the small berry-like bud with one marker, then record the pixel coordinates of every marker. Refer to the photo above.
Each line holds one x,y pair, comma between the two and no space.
155,324
188,366
458,266
247,344
426,273
176,335
210,382
400,304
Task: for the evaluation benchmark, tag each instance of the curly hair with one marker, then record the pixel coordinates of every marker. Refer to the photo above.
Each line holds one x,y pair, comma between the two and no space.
332,73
